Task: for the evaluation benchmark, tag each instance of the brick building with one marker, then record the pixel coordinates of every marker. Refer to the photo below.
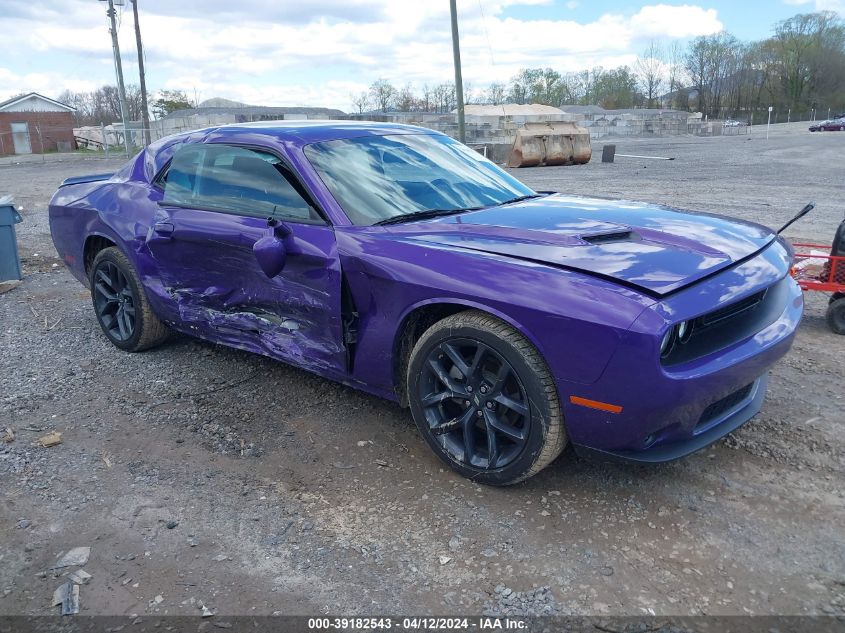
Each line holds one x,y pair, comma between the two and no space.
33,123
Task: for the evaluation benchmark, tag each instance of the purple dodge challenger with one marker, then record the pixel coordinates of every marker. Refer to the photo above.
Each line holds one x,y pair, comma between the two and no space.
398,261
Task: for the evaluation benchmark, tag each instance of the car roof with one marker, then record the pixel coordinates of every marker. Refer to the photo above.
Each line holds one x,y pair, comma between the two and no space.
298,133
313,131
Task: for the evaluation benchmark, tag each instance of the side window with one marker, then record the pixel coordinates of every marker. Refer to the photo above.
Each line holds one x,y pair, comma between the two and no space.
180,179
236,180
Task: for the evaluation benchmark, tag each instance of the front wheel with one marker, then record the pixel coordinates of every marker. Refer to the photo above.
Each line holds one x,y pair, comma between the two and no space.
836,315
120,304
484,399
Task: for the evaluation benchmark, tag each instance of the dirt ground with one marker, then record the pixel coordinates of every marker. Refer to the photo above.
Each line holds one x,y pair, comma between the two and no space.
200,475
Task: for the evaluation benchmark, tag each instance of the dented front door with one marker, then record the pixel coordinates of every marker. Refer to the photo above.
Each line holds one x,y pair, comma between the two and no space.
207,264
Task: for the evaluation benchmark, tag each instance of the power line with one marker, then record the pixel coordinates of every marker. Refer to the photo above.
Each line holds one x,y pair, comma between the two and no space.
489,45
486,33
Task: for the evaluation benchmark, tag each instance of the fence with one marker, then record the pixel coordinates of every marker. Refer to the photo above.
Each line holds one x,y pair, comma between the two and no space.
784,115
111,140
646,126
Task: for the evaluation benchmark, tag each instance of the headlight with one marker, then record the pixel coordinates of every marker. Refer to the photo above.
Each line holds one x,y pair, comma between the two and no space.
667,342
678,333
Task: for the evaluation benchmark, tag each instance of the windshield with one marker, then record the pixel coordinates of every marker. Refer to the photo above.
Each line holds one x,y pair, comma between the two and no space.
379,177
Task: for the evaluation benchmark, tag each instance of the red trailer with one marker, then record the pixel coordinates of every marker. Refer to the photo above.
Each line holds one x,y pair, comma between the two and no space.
821,267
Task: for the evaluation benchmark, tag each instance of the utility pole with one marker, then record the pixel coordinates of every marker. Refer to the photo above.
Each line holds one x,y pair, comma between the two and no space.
121,90
459,85
145,114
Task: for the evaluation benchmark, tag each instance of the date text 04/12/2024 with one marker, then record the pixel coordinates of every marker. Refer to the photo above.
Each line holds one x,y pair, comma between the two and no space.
415,623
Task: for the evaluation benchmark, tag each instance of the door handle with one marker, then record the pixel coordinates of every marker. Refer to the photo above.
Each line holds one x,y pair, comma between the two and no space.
165,229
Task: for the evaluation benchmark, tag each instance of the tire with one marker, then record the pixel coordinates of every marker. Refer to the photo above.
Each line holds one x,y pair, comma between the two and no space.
835,315
472,376
121,305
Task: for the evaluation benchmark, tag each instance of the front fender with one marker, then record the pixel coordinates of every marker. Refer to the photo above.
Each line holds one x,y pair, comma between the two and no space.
468,304
575,321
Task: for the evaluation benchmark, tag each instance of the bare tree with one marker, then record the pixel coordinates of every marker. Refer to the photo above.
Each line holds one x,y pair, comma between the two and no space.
134,103
444,97
382,93
518,90
650,69
696,66
470,95
405,98
102,106
82,103
675,69
495,94
574,88
361,102
425,102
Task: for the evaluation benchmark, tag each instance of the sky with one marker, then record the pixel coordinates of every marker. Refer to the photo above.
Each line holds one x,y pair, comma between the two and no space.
319,52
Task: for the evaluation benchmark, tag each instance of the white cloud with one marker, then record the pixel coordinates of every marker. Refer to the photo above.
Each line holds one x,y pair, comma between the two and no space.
49,83
275,53
819,5
662,20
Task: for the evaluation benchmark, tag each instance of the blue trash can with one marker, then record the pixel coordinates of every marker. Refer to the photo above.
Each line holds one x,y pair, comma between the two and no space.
10,263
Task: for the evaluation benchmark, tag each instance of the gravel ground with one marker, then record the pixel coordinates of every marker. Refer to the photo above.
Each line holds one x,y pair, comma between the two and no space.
202,476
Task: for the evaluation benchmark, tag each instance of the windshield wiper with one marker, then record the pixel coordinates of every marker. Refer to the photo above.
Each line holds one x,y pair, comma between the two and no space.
423,215
521,198
436,213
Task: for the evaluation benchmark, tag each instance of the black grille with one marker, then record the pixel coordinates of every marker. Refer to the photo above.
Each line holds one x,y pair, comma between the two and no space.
730,323
730,311
727,403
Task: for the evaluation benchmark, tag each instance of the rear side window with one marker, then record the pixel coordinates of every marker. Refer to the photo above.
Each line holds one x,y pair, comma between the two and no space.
236,180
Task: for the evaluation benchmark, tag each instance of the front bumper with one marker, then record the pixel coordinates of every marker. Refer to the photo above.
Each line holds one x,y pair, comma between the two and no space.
668,412
713,430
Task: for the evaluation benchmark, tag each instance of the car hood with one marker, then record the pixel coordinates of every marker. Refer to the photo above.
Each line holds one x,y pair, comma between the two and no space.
654,248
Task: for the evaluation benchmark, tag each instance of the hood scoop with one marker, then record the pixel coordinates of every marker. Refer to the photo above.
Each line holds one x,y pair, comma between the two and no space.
605,238
656,249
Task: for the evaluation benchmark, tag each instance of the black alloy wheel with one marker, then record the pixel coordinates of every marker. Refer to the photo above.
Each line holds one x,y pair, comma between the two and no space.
484,400
475,403
121,305
114,301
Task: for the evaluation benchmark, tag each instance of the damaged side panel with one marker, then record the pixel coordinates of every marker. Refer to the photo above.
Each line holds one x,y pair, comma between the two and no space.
218,291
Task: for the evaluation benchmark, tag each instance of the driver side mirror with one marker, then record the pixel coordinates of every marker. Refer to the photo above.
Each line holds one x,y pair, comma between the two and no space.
270,251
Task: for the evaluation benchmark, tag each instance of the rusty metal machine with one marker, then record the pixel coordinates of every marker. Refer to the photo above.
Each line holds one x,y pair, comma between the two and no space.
550,143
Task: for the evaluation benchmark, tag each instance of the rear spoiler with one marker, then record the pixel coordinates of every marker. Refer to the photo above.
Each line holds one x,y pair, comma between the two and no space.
77,180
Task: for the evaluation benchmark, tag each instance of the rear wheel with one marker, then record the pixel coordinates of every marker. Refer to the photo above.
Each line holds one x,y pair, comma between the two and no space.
836,315
120,304
484,399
